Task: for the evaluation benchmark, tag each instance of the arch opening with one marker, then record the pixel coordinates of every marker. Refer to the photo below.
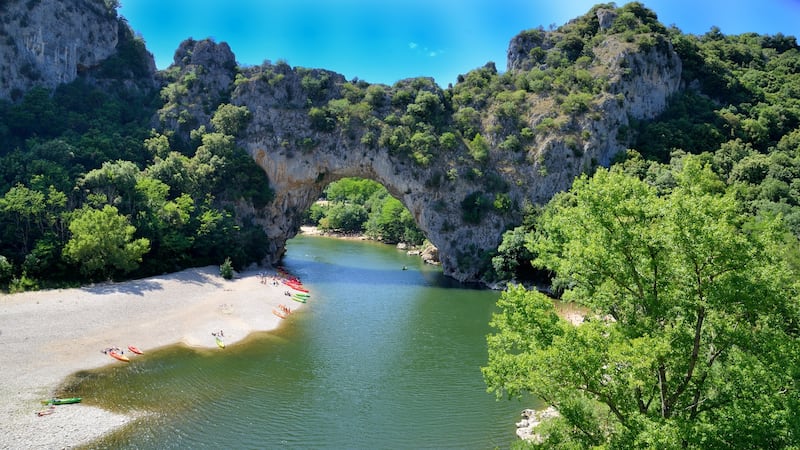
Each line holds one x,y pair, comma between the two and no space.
363,207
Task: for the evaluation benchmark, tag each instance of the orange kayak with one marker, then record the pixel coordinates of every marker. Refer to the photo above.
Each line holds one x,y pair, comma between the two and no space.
118,356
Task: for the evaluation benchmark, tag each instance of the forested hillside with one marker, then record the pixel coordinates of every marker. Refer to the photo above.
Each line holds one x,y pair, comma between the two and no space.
739,112
685,256
154,168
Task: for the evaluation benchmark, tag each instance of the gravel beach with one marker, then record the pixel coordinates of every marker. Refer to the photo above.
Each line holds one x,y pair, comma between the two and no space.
47,335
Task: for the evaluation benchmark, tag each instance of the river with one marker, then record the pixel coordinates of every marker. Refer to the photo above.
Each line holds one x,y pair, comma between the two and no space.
381,357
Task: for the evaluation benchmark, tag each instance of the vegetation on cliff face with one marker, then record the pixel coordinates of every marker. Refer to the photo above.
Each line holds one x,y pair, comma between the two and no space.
739,112
499,142
686,255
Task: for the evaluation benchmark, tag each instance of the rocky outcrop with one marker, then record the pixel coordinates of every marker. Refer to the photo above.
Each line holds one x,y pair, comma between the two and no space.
531,418
301,159
200,78
310,127
48,42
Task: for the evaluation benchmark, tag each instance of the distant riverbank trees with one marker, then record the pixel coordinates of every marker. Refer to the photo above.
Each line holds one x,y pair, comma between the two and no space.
361,206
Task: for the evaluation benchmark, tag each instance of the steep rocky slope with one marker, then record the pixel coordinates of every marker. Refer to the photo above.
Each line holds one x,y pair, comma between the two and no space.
48,42
466,161
462,204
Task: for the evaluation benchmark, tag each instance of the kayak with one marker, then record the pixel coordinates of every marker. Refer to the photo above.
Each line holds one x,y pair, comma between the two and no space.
46,412
299,299
297,287
134,349
220,342
280,314
62,401
119,356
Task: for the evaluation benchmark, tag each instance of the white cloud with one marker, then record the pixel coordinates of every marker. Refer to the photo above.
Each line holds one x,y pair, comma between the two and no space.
424,50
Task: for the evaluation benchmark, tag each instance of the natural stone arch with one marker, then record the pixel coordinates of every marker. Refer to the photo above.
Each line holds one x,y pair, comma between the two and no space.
302,146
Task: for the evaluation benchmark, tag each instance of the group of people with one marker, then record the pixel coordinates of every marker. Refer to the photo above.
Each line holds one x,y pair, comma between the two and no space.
108,350
218,334
267,279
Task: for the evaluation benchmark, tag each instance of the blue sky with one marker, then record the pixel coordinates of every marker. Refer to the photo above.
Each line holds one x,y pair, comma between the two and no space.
382,41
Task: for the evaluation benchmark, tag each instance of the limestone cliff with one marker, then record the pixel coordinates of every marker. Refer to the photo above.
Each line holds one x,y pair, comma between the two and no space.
48,42
200,78
462,202
466,161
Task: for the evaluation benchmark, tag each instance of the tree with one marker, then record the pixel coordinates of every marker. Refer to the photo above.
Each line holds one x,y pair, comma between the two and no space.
25,207
693,340
116,181
103,243
390,221
6,270
230,119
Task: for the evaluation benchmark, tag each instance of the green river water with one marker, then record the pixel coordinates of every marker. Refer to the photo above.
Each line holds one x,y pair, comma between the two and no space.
380,358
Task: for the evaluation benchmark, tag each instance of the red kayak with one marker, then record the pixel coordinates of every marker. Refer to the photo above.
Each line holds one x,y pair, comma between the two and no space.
296,286
135,349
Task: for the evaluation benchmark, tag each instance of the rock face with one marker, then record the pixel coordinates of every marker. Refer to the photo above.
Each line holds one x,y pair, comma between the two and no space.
531,418
301,161
312,127
437,194
214,68
47,42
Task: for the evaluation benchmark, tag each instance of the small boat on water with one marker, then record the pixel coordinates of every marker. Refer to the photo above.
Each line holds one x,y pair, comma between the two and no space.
62,401
135,349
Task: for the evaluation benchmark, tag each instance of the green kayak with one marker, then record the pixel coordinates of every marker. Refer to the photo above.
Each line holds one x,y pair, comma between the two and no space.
299,299
62,401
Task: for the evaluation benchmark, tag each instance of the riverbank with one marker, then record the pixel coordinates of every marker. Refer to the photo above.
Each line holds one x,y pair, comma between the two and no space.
47,335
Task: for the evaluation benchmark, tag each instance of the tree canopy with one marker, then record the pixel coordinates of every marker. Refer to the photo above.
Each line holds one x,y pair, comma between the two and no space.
693,336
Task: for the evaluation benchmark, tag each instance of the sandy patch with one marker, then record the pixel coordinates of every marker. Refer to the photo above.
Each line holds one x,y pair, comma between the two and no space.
47,335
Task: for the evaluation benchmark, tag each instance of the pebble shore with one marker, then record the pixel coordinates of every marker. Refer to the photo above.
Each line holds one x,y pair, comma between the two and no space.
47,335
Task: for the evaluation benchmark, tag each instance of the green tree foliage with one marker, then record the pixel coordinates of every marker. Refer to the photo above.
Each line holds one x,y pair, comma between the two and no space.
692,338
344,217
357,205
115,183
85,148
479,148
352,190
513,259
230,119
6,270
391,222
103,243
226,269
